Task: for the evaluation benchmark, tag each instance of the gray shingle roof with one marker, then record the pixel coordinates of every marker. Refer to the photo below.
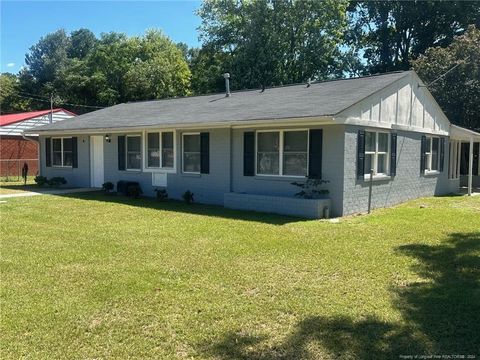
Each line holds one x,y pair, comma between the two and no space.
295,101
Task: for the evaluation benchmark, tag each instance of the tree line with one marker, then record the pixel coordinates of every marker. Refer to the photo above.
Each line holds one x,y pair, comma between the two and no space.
262,44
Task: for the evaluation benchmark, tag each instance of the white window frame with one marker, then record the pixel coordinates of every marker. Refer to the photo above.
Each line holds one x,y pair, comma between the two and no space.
159,168
126,153
281,152
428,155
183,152
375,156
61,151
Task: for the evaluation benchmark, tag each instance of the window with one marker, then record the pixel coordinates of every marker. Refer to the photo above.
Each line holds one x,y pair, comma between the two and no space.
153,150
134,152
167,150
62,152
160,150
282,153
432,154
377,146
191,153
268,153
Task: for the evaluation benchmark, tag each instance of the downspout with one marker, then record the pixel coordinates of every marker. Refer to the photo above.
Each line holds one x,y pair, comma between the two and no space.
37,143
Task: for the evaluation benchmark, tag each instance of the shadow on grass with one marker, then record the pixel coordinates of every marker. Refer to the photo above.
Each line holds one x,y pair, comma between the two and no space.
441,316
193,209
18,186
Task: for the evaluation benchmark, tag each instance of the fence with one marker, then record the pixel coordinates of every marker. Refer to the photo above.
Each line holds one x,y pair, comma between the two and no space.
11,169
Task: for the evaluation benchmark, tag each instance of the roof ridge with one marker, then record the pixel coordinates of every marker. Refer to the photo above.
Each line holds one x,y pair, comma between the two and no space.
267,88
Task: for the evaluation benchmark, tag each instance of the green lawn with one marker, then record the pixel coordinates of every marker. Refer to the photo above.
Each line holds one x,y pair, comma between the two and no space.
14,186
97,276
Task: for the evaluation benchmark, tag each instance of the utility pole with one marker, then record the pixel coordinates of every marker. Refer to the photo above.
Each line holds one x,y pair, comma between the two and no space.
51,108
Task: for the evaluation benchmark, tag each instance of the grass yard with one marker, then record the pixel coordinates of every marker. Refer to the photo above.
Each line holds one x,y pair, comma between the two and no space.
13,187
97,276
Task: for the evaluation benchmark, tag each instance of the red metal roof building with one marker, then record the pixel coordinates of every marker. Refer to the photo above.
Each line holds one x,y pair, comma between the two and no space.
15,150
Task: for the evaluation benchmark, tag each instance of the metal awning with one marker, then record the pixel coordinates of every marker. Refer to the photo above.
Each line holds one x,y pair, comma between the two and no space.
470,136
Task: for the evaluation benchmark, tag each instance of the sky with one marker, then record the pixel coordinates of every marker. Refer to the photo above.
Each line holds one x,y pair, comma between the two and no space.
23,23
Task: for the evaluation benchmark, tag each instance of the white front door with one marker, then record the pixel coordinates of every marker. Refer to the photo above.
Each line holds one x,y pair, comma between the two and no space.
96,161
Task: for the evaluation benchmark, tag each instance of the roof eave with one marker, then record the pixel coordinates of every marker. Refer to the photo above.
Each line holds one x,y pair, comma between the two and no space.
310,120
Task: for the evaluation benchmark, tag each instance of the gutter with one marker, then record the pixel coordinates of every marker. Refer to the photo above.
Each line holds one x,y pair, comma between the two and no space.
320,120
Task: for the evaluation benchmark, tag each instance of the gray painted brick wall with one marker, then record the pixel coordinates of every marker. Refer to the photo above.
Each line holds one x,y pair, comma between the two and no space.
332,169
78,177
308,208
112,174
207,188
348,194
407,184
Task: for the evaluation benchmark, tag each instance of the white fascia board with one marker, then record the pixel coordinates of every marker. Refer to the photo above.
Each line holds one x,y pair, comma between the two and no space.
459,133
322,120
389,126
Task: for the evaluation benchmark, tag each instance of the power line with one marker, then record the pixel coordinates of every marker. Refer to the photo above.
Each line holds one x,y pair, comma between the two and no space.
445,73
60,103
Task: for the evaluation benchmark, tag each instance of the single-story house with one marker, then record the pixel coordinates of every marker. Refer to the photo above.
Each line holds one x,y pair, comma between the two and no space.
15,149
245,150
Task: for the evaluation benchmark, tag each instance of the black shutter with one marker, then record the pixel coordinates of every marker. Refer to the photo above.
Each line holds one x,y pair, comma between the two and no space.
249,153
393,154
423,156
315,154
204,153
442,153
74,152
121,152
48,152
361,154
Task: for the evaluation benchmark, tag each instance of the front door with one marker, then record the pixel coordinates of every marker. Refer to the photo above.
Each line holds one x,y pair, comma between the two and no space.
96,161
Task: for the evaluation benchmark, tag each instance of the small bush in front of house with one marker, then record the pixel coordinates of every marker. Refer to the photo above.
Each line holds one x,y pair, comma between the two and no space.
162,194
41,180
311,189
134,190
107,186
188,197
57,181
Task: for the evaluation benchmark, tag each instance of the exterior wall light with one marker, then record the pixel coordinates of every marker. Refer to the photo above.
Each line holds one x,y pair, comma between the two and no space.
108,138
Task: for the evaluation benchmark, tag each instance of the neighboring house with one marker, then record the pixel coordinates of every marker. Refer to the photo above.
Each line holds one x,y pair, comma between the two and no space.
244,151
15,150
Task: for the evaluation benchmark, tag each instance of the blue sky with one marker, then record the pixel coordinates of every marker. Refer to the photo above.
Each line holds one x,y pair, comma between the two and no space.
23,23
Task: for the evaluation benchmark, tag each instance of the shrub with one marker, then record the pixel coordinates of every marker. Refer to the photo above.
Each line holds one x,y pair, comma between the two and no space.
311,189
107,186
57,181
134,190
162,194
41,180
188,197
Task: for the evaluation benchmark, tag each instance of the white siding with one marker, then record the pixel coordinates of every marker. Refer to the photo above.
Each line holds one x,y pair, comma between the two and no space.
403,104
19,127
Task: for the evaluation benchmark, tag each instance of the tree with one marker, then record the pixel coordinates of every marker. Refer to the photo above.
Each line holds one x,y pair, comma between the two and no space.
274,42
458,91
81,69
207,67
10,101
158,69
47,57
391,33
82,43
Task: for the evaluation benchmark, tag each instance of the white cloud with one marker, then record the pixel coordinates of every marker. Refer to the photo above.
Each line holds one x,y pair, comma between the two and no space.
10,64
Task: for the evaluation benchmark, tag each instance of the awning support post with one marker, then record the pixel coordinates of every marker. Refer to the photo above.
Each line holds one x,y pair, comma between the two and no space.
470,167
